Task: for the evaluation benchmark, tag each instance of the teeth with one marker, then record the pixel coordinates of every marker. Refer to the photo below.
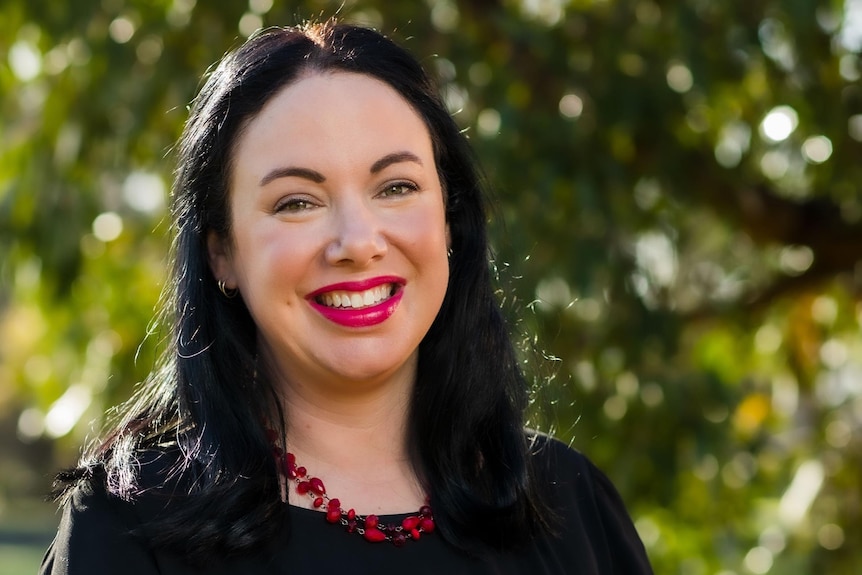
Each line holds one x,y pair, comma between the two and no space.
361,299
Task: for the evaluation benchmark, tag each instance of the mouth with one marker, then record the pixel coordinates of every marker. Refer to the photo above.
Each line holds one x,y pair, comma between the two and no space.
359,304
345,299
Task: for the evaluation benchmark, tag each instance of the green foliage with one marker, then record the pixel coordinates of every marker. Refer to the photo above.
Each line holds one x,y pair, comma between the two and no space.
678,221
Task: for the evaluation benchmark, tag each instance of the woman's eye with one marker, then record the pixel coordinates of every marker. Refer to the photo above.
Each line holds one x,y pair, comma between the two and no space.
294,205
398,189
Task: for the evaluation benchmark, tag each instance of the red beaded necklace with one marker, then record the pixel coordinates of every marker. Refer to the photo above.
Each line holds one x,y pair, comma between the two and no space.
368,526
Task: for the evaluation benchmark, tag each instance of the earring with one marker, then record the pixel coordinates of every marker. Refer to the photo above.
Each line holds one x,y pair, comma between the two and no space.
449,253
227,292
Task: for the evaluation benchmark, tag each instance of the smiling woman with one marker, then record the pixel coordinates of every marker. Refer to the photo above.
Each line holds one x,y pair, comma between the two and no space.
332,306
356,213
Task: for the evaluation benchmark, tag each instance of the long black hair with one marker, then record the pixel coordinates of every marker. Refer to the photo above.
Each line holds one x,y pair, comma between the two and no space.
206,400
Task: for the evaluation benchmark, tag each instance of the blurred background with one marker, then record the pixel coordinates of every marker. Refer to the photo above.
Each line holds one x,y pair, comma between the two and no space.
678,239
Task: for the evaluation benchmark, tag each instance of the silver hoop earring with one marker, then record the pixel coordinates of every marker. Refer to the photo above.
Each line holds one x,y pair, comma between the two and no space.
227,292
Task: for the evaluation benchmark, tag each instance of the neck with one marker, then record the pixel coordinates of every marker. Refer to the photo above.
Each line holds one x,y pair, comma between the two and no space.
357,443
360,432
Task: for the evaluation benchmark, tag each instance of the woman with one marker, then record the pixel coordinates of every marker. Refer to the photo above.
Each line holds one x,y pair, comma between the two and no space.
340,392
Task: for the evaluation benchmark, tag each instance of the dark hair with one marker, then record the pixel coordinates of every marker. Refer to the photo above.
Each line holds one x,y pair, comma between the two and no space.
206,400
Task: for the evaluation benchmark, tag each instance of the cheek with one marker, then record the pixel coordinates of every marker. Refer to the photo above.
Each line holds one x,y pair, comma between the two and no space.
426,228
268,254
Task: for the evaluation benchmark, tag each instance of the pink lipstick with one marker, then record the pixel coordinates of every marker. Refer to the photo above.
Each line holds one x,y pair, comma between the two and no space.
359,303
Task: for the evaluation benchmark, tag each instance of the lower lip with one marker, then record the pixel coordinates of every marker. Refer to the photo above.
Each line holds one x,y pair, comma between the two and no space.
363,317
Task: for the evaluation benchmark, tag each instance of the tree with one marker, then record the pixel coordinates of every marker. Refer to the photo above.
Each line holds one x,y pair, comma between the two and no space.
678,222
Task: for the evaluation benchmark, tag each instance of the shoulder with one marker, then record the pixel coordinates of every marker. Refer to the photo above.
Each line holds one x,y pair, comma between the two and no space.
96,534
589,507
555,461
99,530
570,475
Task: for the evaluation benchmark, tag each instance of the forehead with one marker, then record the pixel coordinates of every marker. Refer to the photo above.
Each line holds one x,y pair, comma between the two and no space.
340,114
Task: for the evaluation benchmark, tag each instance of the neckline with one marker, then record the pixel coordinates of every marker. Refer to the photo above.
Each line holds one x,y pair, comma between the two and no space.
310,512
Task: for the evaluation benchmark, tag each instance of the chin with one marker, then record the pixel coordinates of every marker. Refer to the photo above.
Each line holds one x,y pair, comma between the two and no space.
373,373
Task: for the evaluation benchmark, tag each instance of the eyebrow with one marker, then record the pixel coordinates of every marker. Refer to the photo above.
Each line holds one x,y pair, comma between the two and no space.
305,173
317,177
394,158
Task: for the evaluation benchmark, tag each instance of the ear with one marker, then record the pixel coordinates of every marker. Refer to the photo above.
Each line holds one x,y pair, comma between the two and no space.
221,263
448,237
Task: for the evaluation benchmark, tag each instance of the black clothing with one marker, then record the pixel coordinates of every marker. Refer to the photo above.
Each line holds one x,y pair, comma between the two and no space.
595,536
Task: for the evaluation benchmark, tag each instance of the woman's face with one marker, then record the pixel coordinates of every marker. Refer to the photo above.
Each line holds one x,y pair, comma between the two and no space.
339,236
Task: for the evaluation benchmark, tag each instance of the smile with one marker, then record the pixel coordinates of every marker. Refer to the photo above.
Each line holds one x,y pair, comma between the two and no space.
359,304
357,300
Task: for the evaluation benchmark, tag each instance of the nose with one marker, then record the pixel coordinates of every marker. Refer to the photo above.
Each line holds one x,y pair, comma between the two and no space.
358,238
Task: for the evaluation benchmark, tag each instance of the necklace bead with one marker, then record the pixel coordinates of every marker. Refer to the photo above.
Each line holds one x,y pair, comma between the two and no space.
411,527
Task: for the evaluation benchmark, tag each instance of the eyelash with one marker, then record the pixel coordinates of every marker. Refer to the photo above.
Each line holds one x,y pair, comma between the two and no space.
302,204
293,205
408,186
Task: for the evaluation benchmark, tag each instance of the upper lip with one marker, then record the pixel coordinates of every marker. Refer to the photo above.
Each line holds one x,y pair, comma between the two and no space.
357,285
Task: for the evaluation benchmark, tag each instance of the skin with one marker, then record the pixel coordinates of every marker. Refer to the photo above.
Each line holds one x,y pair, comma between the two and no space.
335,181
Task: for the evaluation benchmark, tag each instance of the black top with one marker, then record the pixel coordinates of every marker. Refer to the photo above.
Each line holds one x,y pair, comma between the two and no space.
596,536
